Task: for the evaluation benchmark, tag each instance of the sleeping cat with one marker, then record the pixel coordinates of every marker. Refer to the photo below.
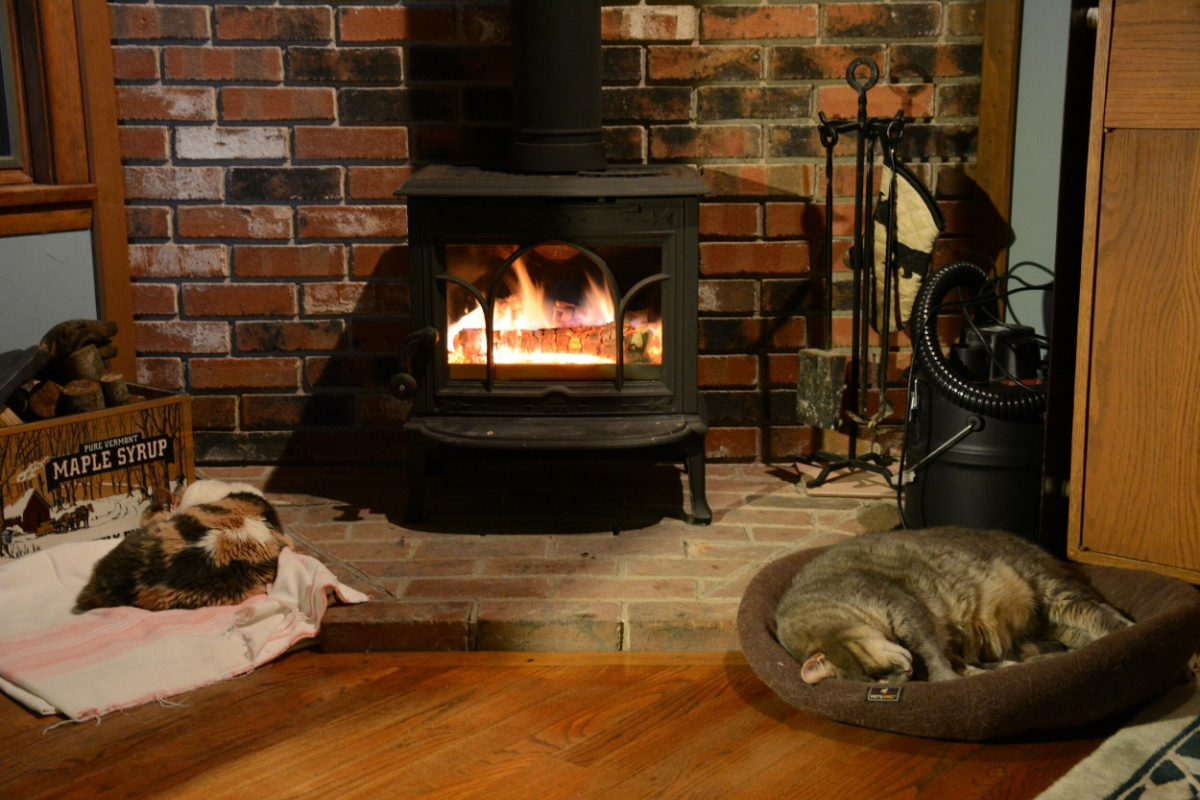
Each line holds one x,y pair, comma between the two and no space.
934,604
218,546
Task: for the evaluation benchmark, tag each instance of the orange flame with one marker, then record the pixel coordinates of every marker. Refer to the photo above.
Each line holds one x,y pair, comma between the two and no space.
529,311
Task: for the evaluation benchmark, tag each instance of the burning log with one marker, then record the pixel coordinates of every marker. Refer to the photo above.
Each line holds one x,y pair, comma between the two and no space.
597,341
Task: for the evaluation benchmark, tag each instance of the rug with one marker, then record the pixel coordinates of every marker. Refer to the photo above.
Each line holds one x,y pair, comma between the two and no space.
1154,757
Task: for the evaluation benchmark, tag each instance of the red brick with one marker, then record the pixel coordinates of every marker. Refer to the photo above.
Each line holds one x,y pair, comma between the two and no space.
750,258
168,103
396,24
376,144
660,24
760,180
223,63
730,219
181,337
214,412
148,222
758,22
144,144
235,222
841,102
704,63
965,19
793,220
891,20
783,369
164,22
475,588
277,102
178,261
731,443
154,298
752,102
160,373
376,183
958,100
820,61
625,143
238,299
174,183
929,61
135,63
353,222
380,261
728,296
728,370
258,337
339,298
244,373
787,443
289,261
274,24
706,141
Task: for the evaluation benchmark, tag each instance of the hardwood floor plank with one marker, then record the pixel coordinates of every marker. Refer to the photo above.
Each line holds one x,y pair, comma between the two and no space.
503,726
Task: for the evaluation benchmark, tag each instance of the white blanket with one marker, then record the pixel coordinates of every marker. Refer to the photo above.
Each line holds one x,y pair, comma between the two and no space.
86,665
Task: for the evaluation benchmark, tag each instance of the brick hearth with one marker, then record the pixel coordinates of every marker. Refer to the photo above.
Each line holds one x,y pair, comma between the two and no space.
546,556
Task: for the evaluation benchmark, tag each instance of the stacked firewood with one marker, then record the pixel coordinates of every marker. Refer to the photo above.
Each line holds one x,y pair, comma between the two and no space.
71,375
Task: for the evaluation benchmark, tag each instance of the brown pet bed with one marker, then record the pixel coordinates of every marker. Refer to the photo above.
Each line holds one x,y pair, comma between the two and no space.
1112,674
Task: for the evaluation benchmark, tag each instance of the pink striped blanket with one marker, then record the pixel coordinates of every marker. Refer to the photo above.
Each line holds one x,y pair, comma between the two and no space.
85,665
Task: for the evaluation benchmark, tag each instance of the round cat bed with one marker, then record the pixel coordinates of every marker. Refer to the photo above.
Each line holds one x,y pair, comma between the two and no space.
1112,674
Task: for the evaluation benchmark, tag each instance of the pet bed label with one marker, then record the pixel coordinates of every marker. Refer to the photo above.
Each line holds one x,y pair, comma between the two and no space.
884,694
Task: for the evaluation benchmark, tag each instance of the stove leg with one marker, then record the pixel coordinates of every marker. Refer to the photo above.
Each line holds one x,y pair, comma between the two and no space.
693,449
419,449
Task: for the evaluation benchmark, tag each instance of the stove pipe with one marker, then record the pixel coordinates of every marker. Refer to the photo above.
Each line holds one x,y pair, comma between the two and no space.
556,86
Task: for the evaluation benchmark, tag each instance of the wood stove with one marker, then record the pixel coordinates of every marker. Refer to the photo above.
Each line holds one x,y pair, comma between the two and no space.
554,304
553,312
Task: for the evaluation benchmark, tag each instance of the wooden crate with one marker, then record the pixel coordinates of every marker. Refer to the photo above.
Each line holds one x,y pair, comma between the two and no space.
90,476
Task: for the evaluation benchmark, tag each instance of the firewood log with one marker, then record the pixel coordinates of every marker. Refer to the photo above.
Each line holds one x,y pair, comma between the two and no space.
43,401
84,363
80,397
116,391
9,418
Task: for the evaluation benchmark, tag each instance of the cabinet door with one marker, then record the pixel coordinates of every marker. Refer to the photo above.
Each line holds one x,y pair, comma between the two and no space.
1141,489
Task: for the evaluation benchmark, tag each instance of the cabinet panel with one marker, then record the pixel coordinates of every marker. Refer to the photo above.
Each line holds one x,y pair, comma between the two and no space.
1155,56
1141,490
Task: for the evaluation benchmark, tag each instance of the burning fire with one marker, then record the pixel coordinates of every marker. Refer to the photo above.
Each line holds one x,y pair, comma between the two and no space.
531,327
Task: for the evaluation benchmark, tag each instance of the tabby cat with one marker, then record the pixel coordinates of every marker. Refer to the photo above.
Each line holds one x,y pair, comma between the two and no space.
218,546
934,604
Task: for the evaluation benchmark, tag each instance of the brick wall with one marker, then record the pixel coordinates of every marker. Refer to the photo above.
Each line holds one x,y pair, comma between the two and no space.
263,141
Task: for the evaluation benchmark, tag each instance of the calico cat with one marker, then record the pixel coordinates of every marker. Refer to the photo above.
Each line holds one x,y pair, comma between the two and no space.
218,546
934,604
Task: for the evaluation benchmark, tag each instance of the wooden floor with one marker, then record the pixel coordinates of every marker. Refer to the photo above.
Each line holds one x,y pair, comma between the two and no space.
503,725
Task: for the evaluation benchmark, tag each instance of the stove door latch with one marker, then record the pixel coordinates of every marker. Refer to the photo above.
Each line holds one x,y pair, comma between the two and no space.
415,352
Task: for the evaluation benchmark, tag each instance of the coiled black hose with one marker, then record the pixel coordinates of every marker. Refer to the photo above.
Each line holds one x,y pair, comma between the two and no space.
1009,403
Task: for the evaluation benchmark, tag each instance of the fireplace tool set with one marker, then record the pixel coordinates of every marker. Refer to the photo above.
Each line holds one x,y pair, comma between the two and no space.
893,244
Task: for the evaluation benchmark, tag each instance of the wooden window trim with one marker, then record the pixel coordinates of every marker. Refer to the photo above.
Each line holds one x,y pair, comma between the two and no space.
72,177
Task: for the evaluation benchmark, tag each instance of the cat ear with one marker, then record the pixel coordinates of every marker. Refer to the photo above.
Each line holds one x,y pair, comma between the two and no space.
816,669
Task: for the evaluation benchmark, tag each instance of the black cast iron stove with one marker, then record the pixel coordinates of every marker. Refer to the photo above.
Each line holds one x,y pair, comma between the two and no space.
554,304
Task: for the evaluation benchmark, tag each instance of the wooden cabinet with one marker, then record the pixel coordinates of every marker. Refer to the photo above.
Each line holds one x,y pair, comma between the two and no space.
1135,472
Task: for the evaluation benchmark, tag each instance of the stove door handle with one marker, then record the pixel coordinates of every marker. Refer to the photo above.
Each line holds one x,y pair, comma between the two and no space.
415,352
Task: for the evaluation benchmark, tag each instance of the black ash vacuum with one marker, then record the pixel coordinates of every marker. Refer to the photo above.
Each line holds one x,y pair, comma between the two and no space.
976,419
